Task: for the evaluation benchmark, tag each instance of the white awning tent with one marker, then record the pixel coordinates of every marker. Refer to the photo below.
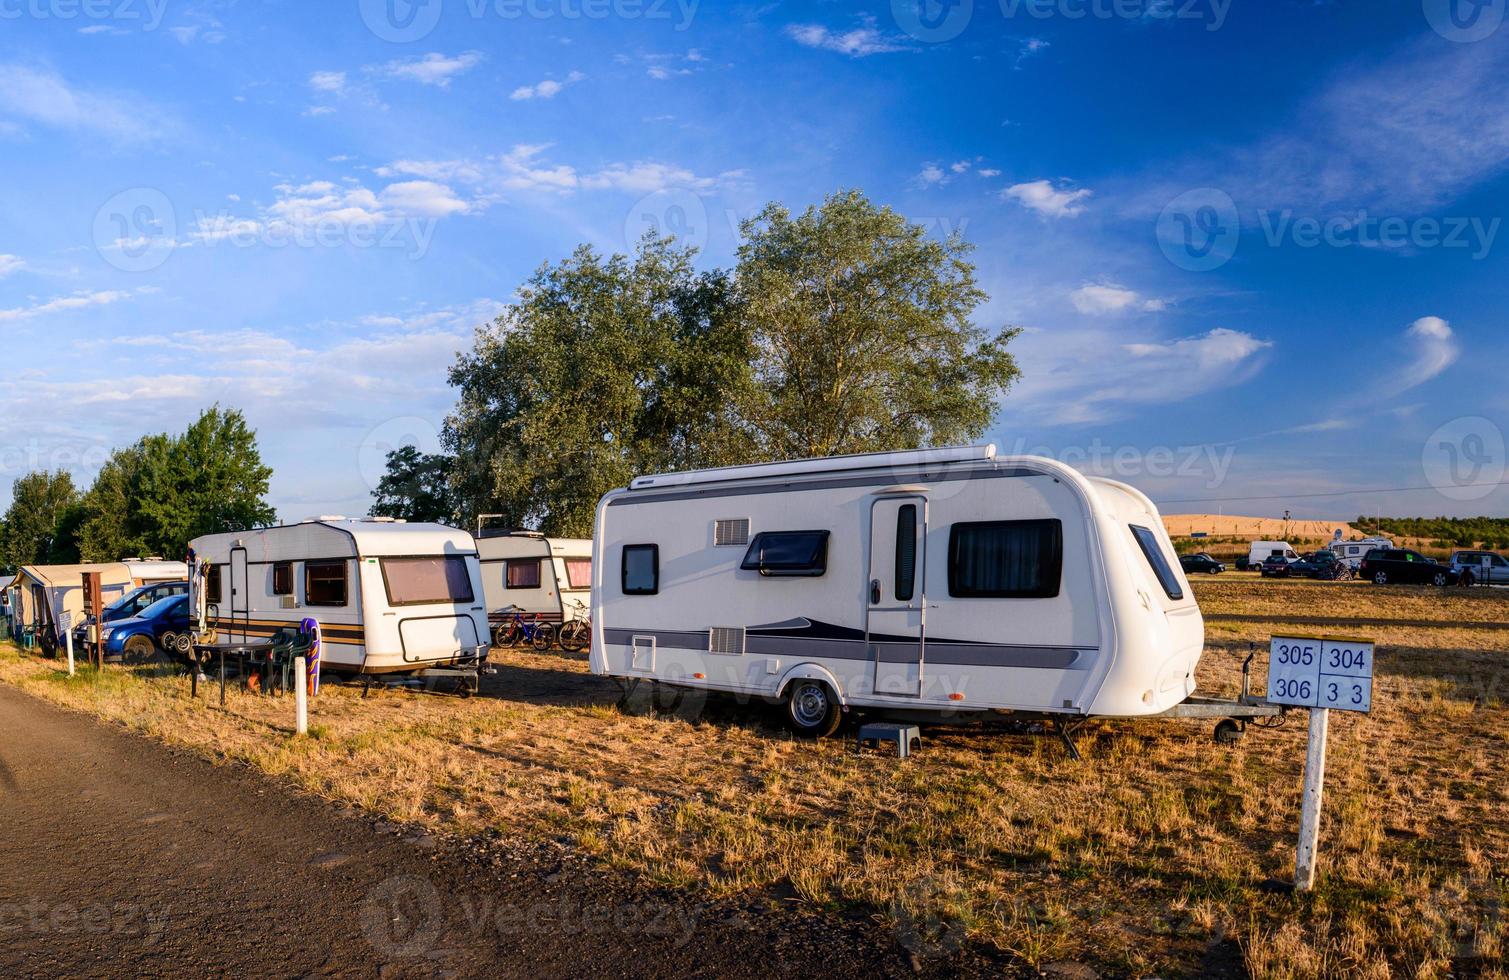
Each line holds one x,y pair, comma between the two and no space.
43,594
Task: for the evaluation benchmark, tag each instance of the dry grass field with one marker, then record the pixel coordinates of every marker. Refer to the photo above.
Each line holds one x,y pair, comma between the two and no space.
1253,528
1159,854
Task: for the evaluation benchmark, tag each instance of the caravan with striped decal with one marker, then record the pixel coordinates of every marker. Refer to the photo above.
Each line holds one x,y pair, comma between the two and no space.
389,597
927,581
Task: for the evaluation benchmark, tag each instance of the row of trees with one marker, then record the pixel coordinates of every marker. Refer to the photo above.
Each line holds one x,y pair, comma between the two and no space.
843,329
1459,532
150,498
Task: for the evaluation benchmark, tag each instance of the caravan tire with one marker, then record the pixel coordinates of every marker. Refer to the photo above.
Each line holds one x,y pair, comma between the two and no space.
812,711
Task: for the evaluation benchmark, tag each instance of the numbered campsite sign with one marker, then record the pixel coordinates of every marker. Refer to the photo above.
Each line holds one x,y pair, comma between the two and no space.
1314,672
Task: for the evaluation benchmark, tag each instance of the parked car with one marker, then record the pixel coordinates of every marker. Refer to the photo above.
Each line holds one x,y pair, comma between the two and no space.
140,638
1201,563
131,605
1401,566
1260,551
1469,564
1312,565
1276,566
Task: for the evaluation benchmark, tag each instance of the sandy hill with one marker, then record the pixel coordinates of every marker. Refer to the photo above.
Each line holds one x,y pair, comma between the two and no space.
1267,528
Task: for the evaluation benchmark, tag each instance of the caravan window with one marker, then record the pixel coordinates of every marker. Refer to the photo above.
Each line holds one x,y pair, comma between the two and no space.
906,552
578,573
523,573
417,581
641,569
1005,559
212,585
282,578
783,553
1154,553
324,583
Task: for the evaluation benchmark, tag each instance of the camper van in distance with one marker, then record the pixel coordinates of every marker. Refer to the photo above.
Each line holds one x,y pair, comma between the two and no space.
947,580
389,597
547,579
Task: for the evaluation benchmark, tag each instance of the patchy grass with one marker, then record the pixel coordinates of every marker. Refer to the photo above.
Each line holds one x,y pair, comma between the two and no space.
1160,854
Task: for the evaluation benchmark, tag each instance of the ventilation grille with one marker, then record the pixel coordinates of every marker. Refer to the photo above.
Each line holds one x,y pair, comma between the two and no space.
731,532
728,640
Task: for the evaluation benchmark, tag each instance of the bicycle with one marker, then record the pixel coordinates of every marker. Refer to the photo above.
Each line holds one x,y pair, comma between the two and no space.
576,635
531,631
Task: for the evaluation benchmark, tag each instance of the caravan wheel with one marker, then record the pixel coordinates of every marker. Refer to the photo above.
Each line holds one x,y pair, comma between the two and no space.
811,709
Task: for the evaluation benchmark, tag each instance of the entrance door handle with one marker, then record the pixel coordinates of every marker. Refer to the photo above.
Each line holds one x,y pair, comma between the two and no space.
874,591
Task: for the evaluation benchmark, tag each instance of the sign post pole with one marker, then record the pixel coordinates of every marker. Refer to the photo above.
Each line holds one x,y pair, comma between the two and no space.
68,633
1310,804
301,695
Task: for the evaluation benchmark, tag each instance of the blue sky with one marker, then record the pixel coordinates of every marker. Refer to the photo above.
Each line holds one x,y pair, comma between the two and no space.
1256,247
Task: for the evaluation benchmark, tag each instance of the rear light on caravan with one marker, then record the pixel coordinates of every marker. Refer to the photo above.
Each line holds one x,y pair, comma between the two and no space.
956,697
700,677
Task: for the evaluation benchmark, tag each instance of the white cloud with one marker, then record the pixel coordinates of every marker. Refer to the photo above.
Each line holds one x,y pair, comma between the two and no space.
1106,297
323,204
1434,350
1069,379
434,68
422,198
522,169
988,172
315,111
77,301
932,175
328,81
547,89
961,167
1047,200
101,29
861,42
43,97
10,264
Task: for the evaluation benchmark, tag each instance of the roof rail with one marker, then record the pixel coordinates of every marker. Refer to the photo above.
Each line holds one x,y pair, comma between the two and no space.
798,467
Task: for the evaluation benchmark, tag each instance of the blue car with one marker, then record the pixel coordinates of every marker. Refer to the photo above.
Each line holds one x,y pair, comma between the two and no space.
138,639
131,605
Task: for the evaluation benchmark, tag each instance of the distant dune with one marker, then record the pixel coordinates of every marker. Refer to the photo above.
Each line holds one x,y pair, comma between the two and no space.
1267,528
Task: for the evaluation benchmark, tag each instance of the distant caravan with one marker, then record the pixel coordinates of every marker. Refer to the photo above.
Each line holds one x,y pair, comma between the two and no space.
928,581
390,598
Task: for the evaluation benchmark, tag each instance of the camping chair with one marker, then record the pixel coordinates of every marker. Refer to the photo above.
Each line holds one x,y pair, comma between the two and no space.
288,645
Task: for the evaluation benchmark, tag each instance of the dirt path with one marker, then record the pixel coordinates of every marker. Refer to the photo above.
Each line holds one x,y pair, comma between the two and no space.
123,857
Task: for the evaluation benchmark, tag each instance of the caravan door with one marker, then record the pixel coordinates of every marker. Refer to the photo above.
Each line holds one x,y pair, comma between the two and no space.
240,594
895,627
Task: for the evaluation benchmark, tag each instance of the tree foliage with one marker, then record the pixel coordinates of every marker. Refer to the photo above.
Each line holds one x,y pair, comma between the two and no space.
845,329
604,369
36,528
1460,532
416,487
862,328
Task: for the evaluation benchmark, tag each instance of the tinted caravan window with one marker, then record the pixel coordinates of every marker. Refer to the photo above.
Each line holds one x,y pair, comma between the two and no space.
781,553
419,581
641,569
212,585
324,583
578,573
523,573
1148,541
282,578
906,552
1005,559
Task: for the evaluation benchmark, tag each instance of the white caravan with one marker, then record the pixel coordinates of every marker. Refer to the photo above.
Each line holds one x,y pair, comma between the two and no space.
389,597
947,580
1352,552
548,577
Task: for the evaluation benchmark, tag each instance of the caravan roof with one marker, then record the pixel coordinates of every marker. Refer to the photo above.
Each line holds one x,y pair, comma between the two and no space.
369,538
799,467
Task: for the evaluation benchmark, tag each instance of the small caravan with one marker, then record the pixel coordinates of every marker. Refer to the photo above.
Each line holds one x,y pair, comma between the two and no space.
389,597
546,577
47,595
948,580
1353,552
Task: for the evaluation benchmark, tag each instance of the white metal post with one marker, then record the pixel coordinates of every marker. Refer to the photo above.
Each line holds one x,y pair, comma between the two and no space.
1309,814
69,633
301,694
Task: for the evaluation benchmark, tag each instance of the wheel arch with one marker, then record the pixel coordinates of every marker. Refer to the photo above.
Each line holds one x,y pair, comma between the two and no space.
811,672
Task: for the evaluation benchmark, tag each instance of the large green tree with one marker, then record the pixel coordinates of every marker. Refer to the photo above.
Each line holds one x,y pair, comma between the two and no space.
605,368
863,332
156,496
416,487
36,528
